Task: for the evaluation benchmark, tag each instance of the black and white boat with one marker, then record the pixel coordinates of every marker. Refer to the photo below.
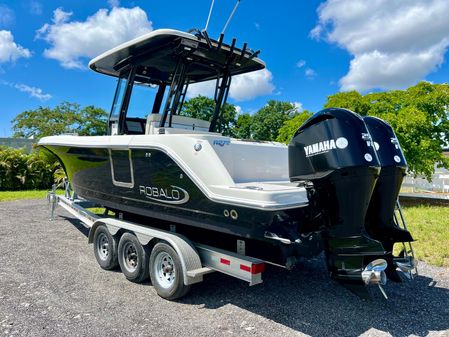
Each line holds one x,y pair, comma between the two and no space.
334,188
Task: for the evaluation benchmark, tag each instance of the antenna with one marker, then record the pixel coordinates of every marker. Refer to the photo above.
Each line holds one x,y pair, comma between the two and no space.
230,17
210,13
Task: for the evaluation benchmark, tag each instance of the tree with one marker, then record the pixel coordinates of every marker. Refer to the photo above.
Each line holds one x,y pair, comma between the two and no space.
66,117
242,127
267,121
351,100
290,126
419,116
92,121
202,107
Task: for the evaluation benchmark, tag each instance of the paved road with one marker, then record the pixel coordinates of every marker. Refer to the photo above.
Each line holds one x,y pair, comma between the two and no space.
50,285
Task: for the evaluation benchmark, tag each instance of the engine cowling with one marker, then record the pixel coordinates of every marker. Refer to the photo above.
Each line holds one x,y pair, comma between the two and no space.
333,149
379,221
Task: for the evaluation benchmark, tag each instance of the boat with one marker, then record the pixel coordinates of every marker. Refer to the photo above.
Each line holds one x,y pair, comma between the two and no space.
334,188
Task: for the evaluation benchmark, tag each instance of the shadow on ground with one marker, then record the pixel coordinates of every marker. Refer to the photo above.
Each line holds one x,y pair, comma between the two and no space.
306,300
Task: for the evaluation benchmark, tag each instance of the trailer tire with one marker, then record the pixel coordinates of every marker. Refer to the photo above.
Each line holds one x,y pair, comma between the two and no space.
166,272
133,258
105,248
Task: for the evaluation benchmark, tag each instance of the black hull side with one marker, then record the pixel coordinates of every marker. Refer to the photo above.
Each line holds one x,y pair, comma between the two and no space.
91,172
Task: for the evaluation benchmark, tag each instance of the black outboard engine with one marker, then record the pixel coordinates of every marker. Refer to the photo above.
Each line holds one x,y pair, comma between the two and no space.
380,220
333,149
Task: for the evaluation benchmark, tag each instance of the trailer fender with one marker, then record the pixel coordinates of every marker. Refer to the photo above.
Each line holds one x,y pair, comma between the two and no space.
190,259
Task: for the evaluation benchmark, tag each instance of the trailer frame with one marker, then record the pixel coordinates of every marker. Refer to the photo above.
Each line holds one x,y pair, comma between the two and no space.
196,259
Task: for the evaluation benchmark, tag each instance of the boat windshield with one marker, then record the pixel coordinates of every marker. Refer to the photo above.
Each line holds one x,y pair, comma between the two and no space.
136,97
119,92
132,104
142,99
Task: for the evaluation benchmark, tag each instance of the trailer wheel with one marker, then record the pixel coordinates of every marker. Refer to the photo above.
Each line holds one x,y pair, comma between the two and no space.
105,248
166,272
133,258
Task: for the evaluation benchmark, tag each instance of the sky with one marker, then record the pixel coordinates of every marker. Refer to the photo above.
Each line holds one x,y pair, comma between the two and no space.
312,48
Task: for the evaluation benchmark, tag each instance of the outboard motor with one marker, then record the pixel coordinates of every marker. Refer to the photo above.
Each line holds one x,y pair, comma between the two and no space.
381,222
333,150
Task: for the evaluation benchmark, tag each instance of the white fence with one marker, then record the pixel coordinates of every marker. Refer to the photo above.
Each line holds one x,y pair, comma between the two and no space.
439,183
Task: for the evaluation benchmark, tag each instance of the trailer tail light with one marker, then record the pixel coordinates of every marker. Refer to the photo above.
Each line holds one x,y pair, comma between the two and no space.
258,268
243,267
254,268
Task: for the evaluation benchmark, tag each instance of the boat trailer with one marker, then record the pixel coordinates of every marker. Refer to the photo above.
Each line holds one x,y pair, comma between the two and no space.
195,259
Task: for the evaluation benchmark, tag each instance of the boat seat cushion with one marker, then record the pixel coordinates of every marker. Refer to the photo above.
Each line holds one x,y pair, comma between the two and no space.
178,122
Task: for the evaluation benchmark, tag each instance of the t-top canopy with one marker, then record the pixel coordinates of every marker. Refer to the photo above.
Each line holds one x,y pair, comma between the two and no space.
157,54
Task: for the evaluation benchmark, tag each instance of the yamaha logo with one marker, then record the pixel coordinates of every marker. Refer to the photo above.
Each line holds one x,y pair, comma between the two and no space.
170,195
325,146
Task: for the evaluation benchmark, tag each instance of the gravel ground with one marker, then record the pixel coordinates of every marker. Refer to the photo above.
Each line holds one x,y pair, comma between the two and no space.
50,284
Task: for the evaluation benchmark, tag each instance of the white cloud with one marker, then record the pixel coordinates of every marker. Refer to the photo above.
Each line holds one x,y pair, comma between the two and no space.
298,106
300,63
7,16
310,73
394,43
389,71
73,41
35,7
33,92
243,87
238,110
202,88
9,50
59,16
250,85
257,25
114,3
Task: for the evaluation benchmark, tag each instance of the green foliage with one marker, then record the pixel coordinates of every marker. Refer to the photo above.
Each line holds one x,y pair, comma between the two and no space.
91,121
242,128
28,194
290,126
66,117
263,125
22,171
428,225
20,195
351,100
418,115
267,121
202,107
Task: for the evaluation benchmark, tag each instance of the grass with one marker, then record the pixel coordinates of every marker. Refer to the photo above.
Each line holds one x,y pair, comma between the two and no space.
40,194
18,195
429,225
